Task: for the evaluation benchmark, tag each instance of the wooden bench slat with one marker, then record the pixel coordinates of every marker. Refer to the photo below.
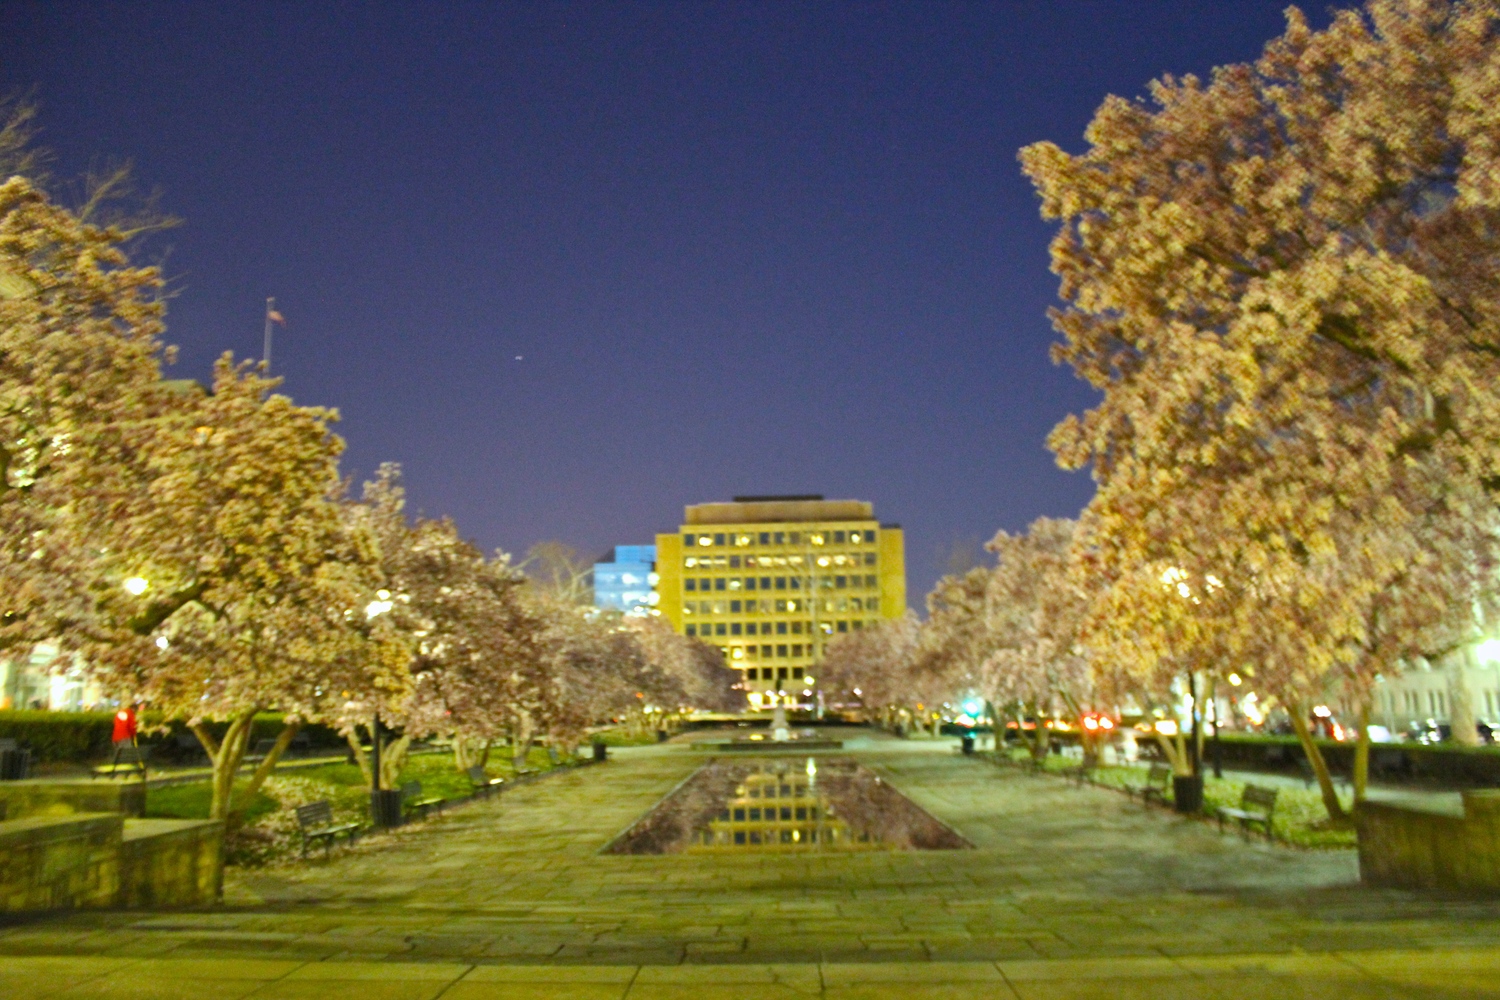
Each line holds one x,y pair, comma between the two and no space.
1247,814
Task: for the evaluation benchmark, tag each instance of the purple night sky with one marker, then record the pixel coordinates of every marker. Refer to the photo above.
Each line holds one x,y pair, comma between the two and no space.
739,247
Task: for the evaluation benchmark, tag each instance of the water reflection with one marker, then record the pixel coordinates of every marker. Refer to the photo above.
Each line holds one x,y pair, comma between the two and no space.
785,805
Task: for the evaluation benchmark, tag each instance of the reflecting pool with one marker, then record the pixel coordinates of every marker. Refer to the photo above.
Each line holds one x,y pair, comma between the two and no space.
785,804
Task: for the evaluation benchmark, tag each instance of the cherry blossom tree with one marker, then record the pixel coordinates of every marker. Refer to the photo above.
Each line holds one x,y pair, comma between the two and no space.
878,666
80,392
1283,281
238,588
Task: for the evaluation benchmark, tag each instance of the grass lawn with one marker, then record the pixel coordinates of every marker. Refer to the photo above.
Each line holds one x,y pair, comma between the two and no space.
1298,819
267,831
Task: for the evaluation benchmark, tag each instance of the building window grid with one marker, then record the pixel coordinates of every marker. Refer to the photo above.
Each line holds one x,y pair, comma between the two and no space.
711,569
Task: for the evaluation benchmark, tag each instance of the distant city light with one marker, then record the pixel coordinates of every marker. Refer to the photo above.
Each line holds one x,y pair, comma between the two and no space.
136,585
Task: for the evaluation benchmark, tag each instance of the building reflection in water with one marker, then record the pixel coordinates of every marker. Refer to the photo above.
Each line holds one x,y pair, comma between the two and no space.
796,805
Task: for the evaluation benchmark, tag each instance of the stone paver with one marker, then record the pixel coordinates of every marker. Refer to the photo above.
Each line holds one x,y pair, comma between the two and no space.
1070,892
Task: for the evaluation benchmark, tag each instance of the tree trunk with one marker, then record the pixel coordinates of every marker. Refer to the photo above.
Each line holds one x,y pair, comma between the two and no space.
283,740
392,760
1331,801
1461,716
469,752
227,757
525,735
360,757
1362,755
1175,751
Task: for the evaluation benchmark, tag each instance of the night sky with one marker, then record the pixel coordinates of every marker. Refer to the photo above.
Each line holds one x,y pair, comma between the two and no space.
737,248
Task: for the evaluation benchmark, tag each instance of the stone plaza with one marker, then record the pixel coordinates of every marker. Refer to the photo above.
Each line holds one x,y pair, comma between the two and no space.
1069,892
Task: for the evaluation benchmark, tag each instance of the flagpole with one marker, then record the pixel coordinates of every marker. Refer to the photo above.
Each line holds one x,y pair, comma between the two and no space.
266,353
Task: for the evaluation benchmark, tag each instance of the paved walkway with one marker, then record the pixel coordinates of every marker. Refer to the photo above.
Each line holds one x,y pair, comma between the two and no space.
1070,892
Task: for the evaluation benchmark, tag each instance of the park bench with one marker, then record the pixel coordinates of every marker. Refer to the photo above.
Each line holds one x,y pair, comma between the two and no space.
413,801
483,783
315,822
187,749
1155,785
128,758
1081,775
1257,804
1310,777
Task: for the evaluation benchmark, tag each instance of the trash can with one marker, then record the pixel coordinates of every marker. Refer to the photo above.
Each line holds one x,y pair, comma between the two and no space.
1187,793
968,743
385,808
601,753
15,764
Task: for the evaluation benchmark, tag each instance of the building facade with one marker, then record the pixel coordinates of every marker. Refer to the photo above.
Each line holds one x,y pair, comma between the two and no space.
626,580
772,580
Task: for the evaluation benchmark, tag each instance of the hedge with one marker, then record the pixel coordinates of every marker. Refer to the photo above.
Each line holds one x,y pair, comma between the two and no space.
79,737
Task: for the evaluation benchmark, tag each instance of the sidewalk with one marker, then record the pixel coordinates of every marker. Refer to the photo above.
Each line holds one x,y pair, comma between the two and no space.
1070,892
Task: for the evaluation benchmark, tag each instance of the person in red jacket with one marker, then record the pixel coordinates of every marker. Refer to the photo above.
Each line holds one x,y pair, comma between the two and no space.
125,725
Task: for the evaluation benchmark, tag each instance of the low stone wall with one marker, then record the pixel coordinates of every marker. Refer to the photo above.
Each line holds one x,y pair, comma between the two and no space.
170,863
54,864
1414,849
104,860
20,799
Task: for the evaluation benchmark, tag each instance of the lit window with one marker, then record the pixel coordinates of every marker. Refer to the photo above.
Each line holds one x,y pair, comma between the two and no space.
816,538
690,562
823,560
742,540
704,540
854,538
734,583
749,560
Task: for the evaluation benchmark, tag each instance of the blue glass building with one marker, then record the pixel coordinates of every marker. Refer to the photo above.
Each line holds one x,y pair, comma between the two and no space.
626,580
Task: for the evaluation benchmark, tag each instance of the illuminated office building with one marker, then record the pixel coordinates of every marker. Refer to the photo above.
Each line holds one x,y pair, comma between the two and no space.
772,580
624,581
